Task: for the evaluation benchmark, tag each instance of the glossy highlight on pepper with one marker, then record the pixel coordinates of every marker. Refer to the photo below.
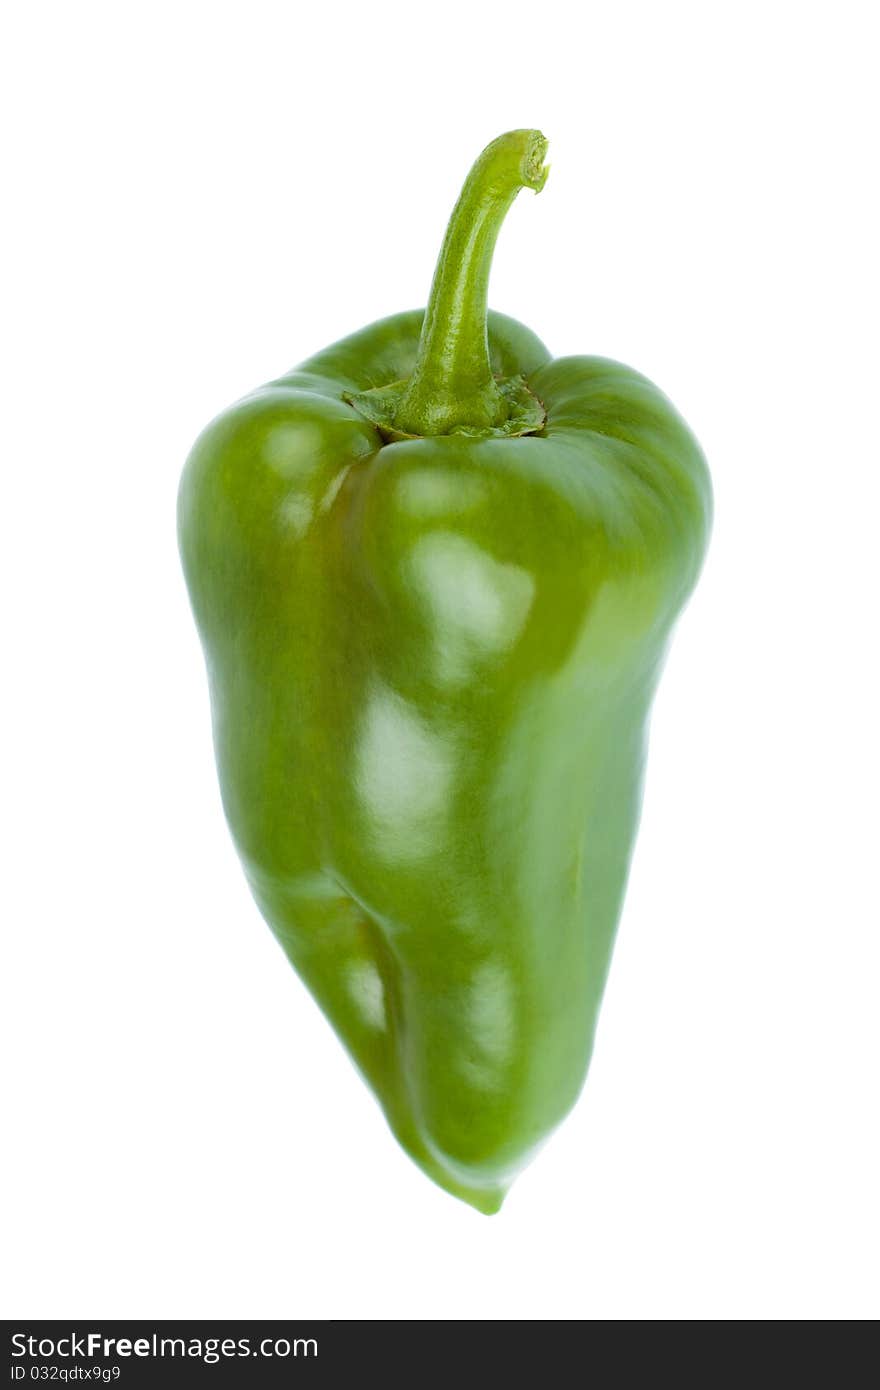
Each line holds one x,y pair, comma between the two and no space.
435,572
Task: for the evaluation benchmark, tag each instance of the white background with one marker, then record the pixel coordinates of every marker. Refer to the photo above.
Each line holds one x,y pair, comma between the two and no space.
198,196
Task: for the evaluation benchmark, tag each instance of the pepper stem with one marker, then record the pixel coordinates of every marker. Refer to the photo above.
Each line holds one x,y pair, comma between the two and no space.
452,384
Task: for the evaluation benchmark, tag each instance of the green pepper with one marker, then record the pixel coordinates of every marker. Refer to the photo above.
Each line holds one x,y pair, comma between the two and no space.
435,571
